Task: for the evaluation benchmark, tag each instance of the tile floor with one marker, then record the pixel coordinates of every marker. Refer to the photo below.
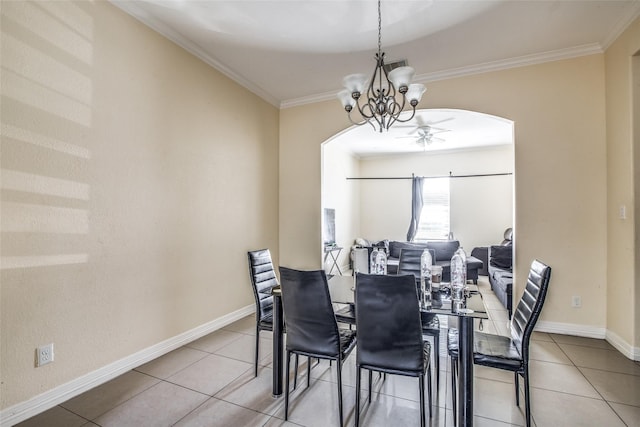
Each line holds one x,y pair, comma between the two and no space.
209,382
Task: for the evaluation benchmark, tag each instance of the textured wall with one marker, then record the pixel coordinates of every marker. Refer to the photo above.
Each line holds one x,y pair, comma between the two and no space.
134,180
623,294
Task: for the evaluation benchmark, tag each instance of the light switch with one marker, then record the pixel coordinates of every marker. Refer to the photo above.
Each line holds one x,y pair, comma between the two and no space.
623,212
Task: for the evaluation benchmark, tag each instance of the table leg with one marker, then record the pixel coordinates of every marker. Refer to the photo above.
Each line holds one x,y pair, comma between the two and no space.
465,372
278,345
335,261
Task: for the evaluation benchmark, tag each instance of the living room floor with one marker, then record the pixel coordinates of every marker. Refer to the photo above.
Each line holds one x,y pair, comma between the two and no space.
575,382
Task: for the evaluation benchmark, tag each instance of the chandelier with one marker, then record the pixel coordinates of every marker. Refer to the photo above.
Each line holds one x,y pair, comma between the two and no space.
379,105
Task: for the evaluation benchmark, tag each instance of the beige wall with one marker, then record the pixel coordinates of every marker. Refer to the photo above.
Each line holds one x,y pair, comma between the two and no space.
560,165
134,180
623,318
481,207
342,195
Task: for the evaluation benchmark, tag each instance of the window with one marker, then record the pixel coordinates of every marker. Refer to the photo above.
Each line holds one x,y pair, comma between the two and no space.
434,219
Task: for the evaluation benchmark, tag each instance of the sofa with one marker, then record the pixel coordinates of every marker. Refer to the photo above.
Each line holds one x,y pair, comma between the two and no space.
443,251
500,270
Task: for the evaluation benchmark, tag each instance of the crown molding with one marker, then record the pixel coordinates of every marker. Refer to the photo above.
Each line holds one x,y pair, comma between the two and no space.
622,25
130,8
505,64
133,10
521,61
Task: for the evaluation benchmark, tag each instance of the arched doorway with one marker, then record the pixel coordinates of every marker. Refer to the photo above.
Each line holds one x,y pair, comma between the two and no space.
366,176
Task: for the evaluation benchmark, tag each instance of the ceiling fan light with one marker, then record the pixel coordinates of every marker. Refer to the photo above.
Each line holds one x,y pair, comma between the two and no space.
401,77
354,83
347,100
415,92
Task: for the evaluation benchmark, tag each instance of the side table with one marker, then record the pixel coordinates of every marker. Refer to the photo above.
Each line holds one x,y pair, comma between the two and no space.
332,252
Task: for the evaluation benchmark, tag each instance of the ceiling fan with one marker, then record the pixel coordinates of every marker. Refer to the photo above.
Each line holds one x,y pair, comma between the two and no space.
424,133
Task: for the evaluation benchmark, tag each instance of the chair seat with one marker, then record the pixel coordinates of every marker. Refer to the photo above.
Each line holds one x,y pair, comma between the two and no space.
266,321
426,352
430,322
346,314
496,351
347,341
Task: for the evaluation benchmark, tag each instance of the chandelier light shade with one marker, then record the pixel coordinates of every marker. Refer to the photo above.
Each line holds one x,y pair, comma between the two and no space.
382,99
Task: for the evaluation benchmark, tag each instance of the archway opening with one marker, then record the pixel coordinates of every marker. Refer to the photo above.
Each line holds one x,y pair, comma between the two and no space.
366,177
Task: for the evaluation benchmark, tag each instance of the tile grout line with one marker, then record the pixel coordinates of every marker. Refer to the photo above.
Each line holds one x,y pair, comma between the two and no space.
589,382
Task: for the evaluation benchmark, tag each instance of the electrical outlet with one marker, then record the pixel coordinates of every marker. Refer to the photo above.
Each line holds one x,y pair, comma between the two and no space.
622,212
44,355
576,301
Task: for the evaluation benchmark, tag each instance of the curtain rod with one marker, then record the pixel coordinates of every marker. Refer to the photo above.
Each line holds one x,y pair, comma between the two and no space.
451,175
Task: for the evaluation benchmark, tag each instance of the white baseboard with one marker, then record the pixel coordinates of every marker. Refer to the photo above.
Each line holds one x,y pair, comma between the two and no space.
571,329
64,392
622,346
612,338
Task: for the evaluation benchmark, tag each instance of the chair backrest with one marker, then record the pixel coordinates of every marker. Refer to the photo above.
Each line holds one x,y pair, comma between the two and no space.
388,323
308,312
263,279
528,310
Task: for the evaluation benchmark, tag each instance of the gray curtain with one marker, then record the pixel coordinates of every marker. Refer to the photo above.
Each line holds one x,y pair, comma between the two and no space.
416,207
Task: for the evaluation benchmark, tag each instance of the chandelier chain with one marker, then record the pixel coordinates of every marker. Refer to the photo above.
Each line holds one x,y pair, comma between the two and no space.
377,103
379,29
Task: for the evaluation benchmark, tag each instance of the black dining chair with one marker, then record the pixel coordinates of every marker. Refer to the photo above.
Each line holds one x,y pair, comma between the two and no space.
263,280
510,353
390,337
409,263
312,329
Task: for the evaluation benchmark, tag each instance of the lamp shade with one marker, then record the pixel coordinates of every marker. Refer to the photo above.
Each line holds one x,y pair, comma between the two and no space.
345,97
355,82
415,92
401,76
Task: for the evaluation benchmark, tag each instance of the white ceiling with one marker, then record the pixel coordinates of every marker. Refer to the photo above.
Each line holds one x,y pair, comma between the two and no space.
453,130
292,52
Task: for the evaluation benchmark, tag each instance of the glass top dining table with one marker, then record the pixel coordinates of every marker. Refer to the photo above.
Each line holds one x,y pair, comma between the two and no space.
341,290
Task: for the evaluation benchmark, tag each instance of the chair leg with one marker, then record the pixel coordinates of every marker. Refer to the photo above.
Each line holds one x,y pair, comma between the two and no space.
517,381
286,390
308,372
527,397
370,382
429,389
295,372
436,356
454,365
339,365
255,369
422,416
358,377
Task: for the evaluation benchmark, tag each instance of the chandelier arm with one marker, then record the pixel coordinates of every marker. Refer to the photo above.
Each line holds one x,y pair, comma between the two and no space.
413,113
364,121
366,106
394,109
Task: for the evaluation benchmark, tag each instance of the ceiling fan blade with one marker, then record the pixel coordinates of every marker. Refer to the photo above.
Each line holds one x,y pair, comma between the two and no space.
439,130
440,121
